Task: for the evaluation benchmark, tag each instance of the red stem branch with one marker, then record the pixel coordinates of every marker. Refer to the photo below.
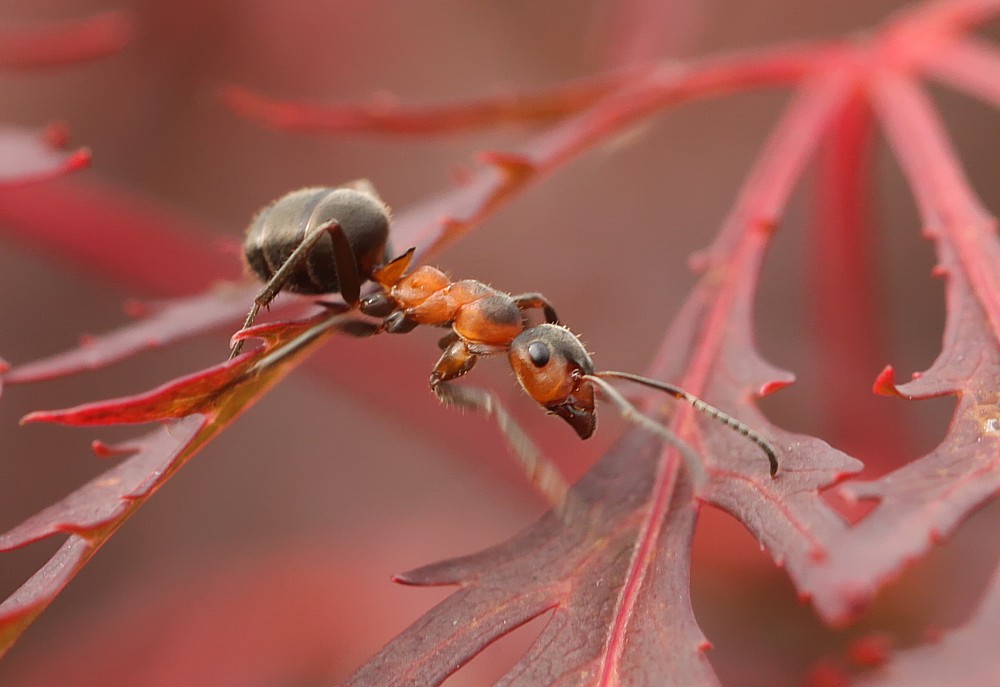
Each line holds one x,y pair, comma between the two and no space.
731,277
846,334
951,213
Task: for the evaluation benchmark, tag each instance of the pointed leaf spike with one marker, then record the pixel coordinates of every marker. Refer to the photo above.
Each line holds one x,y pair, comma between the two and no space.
885,383
390,274
517,167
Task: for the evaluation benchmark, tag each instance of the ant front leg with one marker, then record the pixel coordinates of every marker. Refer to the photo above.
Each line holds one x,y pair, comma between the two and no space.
537,300
541,473
344,261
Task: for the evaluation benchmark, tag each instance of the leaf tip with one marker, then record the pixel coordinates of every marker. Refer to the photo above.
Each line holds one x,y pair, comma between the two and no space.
103,450
770,387
885,383
871,650
245,334
767,227
517,167
817,554
433,575
136,309
79,159
827,674
56,135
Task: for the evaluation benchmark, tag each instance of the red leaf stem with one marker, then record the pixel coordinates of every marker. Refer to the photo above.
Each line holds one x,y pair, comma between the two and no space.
927,498
712,342
971,65
676,81
387,116
205,403
122,236
846,333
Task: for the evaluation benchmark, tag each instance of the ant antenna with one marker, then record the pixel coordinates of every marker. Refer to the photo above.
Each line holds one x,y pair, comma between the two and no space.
632,414
677,392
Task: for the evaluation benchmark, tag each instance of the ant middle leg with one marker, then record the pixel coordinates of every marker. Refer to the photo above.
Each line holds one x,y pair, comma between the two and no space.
448,339
344,261
537,300
542,474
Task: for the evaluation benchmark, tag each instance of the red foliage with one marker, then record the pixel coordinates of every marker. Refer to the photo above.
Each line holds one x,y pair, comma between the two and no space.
613,574
29,156
873,650
64,43
32,156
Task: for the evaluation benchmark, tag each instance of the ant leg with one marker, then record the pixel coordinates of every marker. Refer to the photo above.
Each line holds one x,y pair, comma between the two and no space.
537,300
631,414
343,256
543,475
448,339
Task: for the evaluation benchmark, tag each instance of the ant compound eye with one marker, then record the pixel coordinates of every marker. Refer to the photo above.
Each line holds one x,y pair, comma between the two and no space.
539,353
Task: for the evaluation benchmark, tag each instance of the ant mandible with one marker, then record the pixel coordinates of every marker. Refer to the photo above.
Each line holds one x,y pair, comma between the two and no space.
329,240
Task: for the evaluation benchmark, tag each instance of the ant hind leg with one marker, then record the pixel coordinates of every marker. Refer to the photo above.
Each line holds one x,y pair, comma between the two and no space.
445,342
543,475
343,255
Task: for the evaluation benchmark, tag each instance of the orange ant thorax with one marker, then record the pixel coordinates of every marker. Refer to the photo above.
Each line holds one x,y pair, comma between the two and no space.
478,313
414,289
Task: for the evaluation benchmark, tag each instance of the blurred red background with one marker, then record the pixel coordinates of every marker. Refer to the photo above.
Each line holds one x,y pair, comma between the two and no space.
317,479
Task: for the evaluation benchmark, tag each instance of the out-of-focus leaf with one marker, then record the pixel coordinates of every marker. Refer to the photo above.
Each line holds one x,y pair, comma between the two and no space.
966,656
64,43
613,579
386,116
161,324
921,502
124,236
267,616
30,155
196,408
612,570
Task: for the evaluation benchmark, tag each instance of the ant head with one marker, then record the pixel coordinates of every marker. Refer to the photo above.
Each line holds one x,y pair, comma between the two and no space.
550,364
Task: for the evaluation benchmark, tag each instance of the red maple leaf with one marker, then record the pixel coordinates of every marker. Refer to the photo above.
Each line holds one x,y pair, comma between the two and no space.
613,573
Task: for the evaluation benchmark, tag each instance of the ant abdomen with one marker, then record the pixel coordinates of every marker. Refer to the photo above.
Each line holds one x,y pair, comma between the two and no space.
281,227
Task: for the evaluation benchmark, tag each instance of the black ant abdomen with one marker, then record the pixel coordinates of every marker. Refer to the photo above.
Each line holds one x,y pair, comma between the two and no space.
282,227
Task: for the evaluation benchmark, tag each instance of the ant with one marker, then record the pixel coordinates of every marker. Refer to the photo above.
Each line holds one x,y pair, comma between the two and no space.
329,240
